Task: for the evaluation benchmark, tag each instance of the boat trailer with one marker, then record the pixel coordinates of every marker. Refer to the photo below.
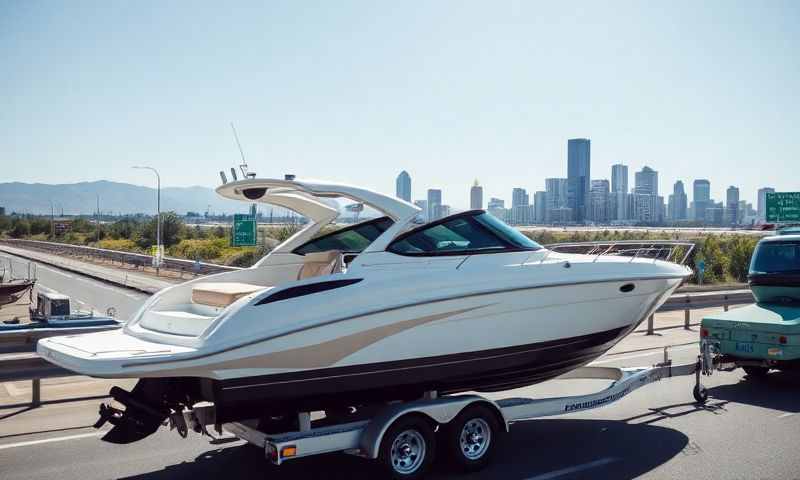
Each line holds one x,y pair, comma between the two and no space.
400,435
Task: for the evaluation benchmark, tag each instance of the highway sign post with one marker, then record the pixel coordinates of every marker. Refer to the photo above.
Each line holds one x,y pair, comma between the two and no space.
244,230
783,207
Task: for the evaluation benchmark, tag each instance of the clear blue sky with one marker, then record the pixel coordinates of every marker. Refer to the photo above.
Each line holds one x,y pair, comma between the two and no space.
357,91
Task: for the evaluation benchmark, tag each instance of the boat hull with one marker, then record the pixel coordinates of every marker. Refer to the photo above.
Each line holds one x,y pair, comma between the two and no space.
483,371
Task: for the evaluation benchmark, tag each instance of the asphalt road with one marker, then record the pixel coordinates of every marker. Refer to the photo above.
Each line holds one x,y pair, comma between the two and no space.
87,293
748,430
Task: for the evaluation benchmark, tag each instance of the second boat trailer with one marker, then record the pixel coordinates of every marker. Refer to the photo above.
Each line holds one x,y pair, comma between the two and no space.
404,436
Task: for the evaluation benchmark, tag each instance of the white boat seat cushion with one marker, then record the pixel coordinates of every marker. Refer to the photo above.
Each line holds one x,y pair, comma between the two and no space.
222,294
320,263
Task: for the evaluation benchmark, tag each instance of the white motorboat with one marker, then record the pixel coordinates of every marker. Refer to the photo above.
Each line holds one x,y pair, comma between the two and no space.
382,310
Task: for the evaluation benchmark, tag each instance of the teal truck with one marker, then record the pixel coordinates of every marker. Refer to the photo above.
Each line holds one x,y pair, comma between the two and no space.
765,335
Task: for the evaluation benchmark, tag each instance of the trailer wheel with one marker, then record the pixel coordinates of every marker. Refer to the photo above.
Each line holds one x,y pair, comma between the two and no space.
700,393
408,448
470,438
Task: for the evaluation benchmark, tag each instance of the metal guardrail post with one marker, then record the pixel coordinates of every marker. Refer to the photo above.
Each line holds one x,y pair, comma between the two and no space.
687,315
36,392
650,321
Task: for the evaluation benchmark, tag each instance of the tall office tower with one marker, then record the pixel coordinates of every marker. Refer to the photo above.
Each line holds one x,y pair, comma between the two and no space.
434,204
619,178
732,205
677,202
701,196
557,198
519,197
403,186
422,204
475,196
520,201
497,207
579,155
540,207
599,201
646,182
762,202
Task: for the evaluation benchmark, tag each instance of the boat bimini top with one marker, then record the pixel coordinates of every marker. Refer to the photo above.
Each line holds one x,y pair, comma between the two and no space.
304,197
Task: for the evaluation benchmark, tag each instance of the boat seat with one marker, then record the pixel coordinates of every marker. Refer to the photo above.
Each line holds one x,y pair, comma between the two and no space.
320,263
222,294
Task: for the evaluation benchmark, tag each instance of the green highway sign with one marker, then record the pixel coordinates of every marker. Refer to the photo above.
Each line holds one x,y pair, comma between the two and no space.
244,230
783,207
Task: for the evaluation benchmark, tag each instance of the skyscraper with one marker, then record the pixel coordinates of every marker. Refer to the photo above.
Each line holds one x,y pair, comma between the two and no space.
578,176
732,205
762,202
598,201
557,199
476,196
403,186
701,196
619,192
540,207
646,182
520,207
619,178
434,204
677,202
422,204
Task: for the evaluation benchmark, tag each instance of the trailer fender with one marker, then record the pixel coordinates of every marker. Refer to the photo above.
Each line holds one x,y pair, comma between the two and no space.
440,411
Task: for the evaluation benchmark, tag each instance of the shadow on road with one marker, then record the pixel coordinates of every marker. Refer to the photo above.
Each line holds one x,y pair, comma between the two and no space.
558,448
778,391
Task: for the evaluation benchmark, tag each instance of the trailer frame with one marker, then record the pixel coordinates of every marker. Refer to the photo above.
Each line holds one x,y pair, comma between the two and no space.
364,437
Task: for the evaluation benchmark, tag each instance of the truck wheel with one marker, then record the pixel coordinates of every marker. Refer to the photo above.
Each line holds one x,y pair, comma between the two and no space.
408,448
756,372
470,438
700,393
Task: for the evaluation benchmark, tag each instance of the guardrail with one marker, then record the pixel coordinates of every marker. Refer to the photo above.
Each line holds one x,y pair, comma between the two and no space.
130,258
28,366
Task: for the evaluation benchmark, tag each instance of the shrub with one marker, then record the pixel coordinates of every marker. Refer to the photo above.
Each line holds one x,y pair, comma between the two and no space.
204,250
121,244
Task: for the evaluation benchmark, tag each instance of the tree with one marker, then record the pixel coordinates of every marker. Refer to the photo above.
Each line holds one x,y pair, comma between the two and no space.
20,228
172,227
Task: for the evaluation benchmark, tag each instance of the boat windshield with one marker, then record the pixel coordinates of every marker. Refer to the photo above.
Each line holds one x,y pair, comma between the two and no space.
465,233
352,239
776,257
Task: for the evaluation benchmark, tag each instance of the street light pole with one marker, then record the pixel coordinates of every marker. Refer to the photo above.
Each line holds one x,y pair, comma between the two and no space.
158,207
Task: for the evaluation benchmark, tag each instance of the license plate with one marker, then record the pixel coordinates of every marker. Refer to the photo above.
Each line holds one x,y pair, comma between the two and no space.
744,347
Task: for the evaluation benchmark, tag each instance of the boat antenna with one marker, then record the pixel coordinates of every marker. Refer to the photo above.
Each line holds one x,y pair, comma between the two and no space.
243,166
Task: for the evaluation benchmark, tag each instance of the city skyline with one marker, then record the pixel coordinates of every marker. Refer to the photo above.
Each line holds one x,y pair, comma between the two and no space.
604,201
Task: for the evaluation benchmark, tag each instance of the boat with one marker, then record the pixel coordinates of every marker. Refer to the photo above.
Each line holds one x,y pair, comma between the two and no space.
14,289
764,335
386,309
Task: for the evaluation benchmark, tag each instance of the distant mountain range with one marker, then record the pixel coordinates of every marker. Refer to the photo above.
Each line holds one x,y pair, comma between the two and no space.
116,198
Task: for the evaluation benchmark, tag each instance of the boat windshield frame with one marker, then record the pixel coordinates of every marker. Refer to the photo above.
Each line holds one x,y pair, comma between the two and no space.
506,240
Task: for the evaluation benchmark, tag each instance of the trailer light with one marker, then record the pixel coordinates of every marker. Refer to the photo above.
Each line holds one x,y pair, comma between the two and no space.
703,333
774,352
782,340
288,451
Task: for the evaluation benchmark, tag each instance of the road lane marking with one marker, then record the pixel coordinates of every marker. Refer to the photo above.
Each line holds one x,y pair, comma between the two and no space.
788,414
51,440
574,469
660,351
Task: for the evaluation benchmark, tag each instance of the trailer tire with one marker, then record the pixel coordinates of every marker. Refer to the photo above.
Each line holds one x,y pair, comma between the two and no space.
700,394
470,438
408,448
